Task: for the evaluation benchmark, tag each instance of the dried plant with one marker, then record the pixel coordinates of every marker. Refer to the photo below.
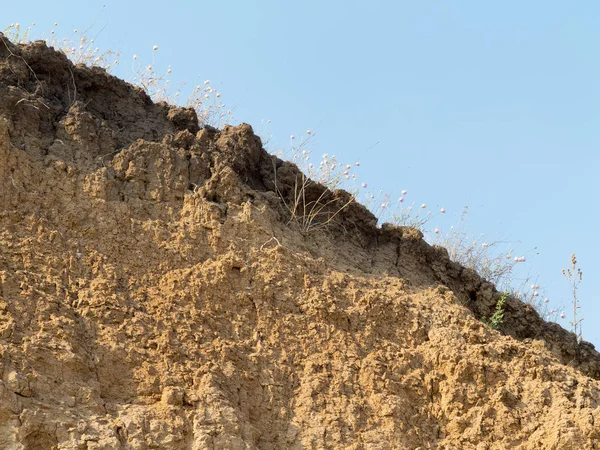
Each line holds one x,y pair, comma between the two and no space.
16,34
574,275
493,260
313,214
486,257
81,49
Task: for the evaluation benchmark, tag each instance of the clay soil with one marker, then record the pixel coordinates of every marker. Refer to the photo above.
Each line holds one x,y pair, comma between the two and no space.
156,293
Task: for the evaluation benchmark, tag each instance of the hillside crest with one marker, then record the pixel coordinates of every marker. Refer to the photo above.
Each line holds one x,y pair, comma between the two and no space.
154,293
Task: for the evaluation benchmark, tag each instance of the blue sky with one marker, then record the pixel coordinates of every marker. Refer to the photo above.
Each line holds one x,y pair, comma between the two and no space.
494,105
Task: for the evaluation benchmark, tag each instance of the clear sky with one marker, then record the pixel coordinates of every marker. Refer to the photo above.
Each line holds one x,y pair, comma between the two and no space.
494,105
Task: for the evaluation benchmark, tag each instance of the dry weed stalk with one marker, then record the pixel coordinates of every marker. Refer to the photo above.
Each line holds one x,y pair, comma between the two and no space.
479,254
311,215
81,49
574,275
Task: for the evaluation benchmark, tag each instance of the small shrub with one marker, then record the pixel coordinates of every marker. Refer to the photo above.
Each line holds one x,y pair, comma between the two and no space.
497,318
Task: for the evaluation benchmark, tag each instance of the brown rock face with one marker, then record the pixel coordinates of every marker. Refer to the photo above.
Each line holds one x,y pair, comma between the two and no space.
155,292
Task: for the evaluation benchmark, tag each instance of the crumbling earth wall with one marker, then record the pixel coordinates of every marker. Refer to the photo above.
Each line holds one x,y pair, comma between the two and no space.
155,294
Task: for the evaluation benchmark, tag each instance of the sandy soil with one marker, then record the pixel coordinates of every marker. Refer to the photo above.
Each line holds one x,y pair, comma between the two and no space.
154,293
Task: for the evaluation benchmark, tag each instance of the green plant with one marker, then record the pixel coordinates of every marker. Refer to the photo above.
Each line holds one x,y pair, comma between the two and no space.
495,261
497,318
574,275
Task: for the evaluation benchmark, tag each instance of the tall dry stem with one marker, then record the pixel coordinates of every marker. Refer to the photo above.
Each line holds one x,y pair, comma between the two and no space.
574,275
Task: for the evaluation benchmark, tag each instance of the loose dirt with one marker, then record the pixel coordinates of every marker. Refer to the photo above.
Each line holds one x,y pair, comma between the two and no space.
154,293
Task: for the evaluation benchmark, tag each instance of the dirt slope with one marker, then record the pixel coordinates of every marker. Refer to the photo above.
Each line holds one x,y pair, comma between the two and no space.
153,294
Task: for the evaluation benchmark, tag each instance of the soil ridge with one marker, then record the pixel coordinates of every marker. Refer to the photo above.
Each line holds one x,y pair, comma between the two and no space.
154,291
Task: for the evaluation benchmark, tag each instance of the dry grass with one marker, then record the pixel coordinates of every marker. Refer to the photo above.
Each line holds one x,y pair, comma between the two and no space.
492,260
